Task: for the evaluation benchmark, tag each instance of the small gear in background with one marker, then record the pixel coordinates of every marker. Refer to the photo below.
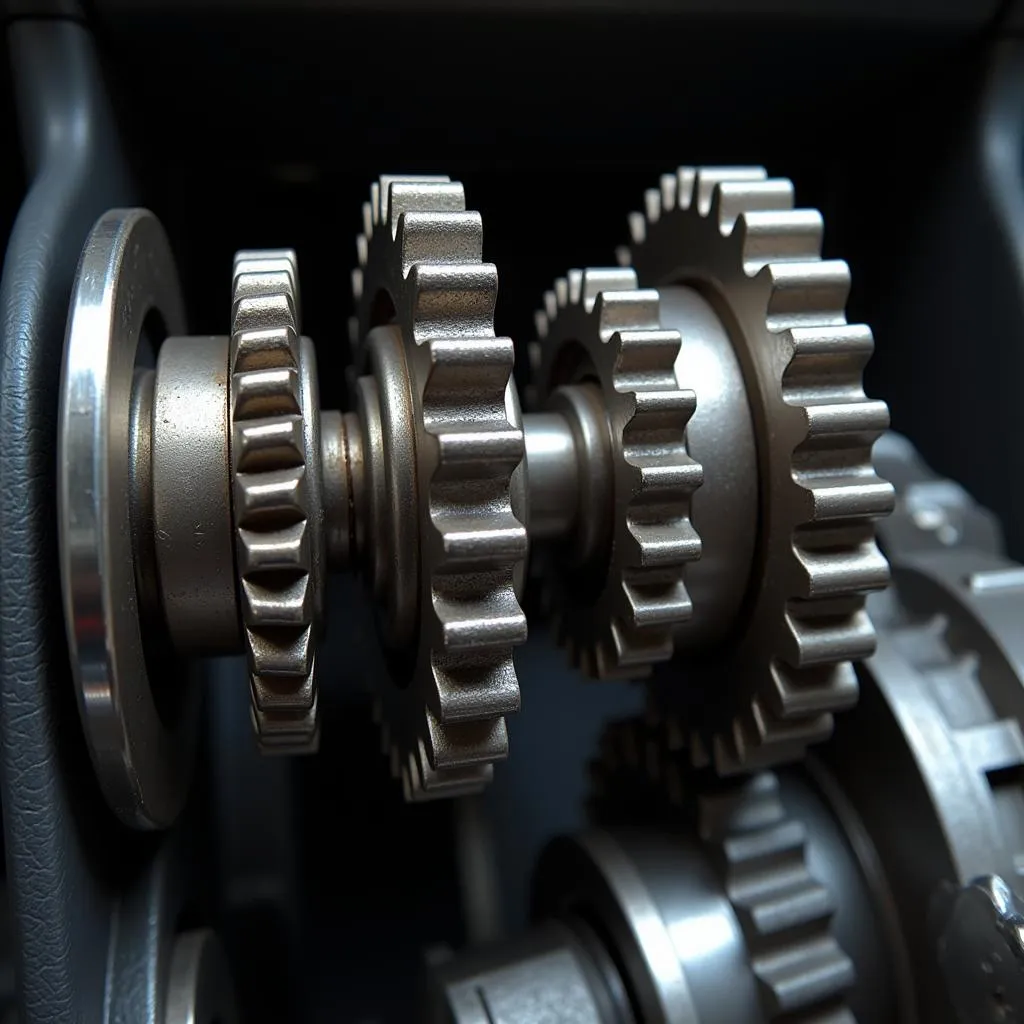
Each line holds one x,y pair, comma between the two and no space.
604,362
759,853
733,235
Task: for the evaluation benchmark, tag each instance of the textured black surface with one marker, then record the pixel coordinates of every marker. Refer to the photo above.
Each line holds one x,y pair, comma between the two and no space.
64,855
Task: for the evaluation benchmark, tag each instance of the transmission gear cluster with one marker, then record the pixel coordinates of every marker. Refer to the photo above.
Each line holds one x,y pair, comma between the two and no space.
698,482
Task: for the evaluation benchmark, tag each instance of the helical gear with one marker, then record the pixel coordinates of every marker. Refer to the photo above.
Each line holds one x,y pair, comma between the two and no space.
421,269
597,323
276,497
760,853
733,234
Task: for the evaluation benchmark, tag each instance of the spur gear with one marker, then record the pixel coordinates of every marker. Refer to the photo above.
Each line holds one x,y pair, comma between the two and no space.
421,273
597,324
733,236
276,496
760,855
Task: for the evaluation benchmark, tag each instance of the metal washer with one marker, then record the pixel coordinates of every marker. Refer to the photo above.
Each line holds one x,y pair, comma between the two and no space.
126,273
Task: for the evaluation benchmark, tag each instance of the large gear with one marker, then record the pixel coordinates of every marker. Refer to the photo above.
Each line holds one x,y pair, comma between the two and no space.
760,853
597,323
733,235
276,502
421,270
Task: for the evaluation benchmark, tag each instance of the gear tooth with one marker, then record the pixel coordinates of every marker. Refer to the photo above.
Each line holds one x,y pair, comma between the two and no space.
652,205
669,187
465,695
258,394
646,358
707,179
637,234
774,236
550,306
731,198
832,569
809,294
282,660
632,311
461,366
622,257
453,301
277,605
574,290
658,606
479,613
464,744
440,238
286,549
605,279
657,411
442,199
269,443
816,629
540,326
561,291
377,214
357,286
367,221
801,695
686,181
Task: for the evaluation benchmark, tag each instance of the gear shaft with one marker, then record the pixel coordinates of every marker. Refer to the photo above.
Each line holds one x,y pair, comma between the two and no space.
698,479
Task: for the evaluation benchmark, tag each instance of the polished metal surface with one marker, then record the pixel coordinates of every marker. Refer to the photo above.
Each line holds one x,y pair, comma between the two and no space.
341,457
980,948
277,504
546,977
940,799
617,615
421,269
191,523
732,877
720,436
554,477
199,987
733,235
125,274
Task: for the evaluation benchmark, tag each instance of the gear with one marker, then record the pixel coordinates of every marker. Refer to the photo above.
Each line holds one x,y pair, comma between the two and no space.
733,235
760,853
277,506
421,271
597,323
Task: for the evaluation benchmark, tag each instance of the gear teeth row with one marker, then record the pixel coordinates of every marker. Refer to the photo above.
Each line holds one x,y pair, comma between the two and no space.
420,266
784,912
629,628
760,854
271,496
737,228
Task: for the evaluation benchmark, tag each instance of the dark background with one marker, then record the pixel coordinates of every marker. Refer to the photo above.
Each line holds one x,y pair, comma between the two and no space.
263,124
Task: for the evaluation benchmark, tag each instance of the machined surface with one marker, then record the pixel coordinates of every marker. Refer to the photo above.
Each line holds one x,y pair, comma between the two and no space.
125,274
545,977
720,436
276,497
199,989
941,699
616,614
732,234
751,918
191,524
421,269
553,474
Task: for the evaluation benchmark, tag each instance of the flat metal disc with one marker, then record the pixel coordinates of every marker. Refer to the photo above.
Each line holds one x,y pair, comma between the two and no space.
126,273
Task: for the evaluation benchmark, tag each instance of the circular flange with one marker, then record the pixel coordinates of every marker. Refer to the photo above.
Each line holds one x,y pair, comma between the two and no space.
126,273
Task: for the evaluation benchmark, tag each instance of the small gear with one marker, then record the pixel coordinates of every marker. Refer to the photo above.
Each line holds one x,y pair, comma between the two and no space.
733,235
421,271
276,502
597,323
760,853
